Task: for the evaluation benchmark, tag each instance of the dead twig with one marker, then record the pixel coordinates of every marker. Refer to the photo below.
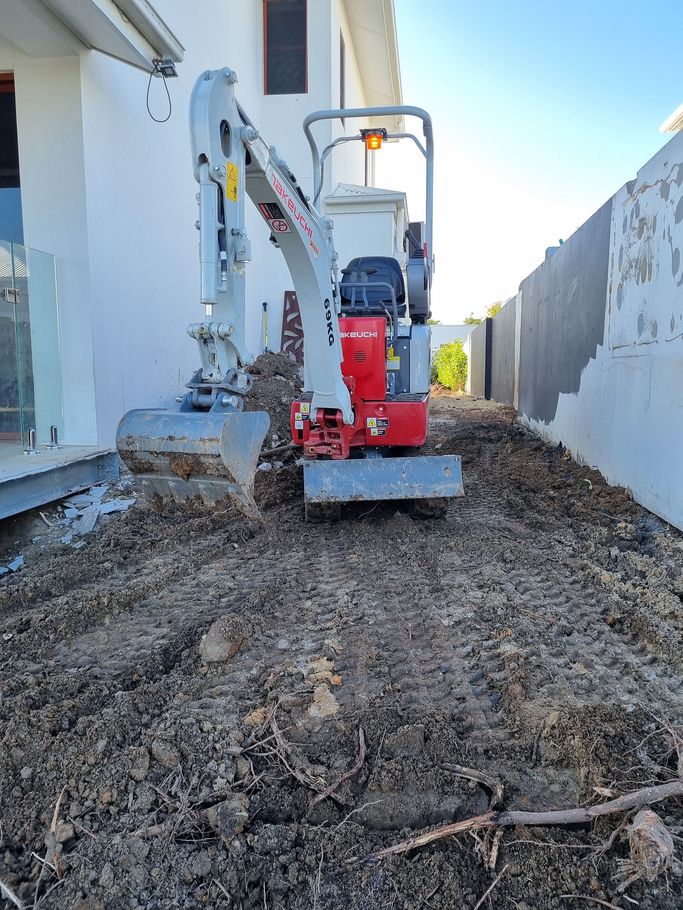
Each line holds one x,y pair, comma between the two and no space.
360,761
318,879
425,901
353,812
490,888
609,843
491,783
586,897
493,853
510,818
7,892
284,750
266,453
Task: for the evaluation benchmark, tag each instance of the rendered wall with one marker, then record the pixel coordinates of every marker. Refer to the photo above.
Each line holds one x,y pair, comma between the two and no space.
626,417
563,318
477,361
598,363
503,326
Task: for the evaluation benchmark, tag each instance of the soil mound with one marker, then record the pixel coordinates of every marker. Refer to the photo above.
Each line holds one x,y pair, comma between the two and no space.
277,382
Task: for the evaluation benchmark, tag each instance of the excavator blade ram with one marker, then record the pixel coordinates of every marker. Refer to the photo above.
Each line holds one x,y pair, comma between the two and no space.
181,455
427,478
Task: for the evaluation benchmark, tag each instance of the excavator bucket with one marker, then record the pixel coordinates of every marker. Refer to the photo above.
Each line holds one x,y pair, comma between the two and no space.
182,455
432,479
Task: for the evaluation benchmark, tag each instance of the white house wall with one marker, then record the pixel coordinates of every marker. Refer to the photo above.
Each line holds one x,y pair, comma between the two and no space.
142,211
111,194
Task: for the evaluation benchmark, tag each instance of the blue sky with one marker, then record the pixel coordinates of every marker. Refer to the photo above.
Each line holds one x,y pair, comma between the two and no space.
542,111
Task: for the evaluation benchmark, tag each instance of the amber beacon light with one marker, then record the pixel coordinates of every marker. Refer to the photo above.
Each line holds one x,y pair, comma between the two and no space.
373,138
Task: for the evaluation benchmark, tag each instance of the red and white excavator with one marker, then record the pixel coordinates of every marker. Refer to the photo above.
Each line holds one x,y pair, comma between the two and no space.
366,338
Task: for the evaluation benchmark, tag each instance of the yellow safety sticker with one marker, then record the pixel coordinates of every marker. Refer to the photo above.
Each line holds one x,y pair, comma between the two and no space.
297,415
372,421
232,182
305,408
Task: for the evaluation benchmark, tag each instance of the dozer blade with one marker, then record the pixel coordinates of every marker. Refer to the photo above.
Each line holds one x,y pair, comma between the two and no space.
181,455
358,479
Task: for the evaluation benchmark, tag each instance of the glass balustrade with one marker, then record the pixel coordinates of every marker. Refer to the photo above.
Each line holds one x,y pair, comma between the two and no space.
30,361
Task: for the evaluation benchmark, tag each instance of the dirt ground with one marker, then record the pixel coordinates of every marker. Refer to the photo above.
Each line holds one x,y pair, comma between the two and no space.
533,634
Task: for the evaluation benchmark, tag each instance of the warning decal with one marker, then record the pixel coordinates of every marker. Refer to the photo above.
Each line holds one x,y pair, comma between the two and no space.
275,217
232,182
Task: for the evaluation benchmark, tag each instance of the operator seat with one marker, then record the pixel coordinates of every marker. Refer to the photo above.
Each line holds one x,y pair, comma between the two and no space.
366,286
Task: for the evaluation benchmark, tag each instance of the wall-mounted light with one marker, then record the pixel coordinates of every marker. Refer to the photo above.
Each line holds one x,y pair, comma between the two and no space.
164,66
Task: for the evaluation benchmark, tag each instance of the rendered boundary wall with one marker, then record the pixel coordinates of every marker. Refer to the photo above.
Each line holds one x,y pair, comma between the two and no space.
503,351
477,361
596,357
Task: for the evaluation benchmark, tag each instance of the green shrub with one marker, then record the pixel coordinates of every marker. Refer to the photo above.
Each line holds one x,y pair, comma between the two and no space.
449,366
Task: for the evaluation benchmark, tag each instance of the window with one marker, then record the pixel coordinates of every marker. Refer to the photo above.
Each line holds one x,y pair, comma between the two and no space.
342,73
284,27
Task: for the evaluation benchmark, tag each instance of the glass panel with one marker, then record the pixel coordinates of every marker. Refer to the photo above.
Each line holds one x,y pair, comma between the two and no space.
10,425
45,361
30,364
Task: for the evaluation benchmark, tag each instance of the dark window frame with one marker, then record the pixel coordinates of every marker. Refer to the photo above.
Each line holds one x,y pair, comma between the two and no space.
265,51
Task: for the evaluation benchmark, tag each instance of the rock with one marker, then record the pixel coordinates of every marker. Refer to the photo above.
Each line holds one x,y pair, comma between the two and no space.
324,703
200,864
140,765
228,818
166,754
224,639
242,767
137,848
26,773
107,876
64,832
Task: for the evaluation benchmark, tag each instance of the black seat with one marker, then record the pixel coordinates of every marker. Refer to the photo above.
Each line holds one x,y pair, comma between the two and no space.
366,286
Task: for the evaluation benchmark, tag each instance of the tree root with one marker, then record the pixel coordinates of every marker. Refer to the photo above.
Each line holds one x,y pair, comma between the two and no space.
329,791
490,819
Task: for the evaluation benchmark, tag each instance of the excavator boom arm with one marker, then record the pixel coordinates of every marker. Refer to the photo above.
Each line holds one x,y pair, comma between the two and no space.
231,161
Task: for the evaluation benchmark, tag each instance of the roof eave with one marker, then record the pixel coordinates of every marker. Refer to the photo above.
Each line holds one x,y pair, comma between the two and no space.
674,123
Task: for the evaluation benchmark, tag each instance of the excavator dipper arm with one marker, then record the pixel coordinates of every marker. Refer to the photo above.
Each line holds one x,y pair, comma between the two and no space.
209,447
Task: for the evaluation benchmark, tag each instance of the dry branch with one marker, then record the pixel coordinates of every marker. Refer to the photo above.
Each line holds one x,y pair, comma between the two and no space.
328,791
587,897
6,891
637,799
495,786
490,888
284,750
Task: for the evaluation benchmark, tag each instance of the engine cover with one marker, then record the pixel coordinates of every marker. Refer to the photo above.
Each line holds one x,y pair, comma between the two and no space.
363,341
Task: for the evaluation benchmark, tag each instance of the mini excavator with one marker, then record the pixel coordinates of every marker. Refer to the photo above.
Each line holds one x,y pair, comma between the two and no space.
364,411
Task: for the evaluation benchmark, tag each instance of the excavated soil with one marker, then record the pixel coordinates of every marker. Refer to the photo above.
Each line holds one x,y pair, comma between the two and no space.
277,381
176,693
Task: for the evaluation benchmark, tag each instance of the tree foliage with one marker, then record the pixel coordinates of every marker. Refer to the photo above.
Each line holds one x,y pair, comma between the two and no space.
491,311
449,367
